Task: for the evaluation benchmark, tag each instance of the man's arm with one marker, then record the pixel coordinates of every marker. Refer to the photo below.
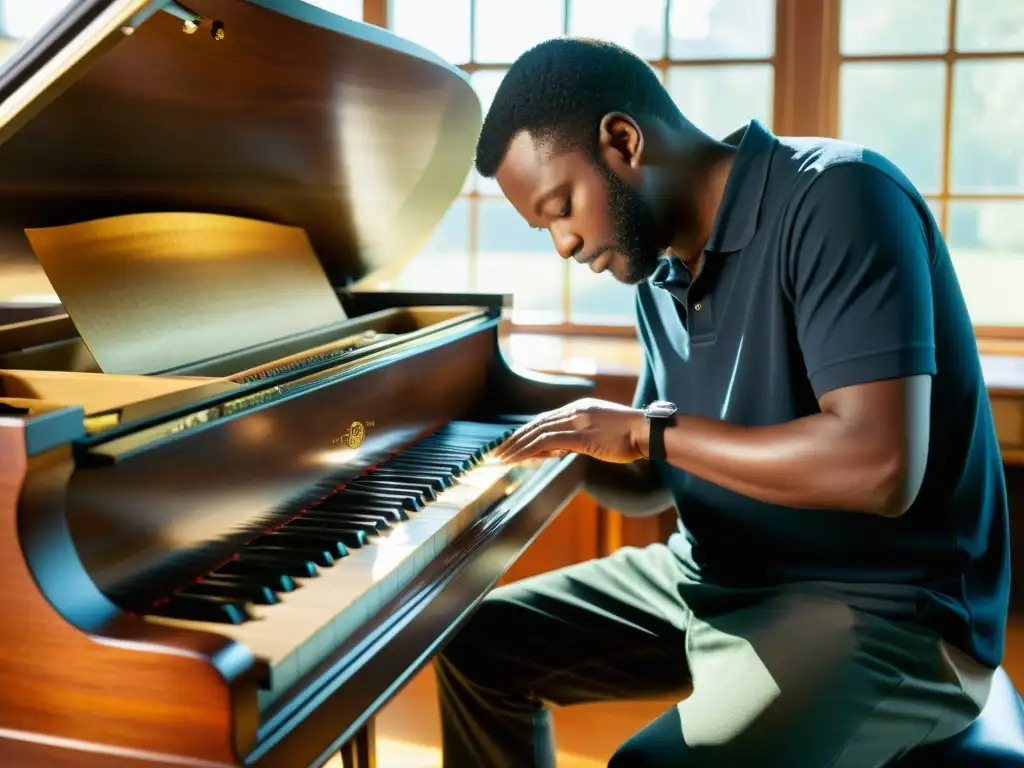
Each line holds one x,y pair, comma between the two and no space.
866,451
861,289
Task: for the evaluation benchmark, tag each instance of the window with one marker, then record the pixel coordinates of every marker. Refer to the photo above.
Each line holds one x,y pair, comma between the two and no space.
22,19
938,86
715,58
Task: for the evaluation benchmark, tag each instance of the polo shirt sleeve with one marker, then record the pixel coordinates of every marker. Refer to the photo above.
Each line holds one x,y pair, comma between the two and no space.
860,279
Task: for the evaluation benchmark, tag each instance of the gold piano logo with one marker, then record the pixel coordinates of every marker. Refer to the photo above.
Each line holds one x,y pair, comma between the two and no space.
355,435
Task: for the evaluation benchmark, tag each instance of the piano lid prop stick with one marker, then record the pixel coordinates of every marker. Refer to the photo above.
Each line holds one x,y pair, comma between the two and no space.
191,21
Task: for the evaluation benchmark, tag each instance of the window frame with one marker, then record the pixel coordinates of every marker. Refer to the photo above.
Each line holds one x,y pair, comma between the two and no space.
949,57
805,103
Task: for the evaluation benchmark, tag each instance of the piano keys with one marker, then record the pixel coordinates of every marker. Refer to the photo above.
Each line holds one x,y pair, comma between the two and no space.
237,560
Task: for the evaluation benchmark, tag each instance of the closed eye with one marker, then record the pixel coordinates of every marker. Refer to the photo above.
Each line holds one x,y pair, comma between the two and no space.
564,213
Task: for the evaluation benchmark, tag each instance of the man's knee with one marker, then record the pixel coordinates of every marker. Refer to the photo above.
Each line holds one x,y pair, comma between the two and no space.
658,745
478,645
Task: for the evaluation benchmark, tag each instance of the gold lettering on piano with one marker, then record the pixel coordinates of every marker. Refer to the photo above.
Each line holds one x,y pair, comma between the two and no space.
355,435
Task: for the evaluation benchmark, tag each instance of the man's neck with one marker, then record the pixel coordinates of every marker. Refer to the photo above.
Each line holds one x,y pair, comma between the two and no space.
708,167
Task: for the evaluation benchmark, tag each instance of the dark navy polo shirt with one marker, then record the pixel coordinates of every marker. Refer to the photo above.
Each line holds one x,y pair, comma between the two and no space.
825,269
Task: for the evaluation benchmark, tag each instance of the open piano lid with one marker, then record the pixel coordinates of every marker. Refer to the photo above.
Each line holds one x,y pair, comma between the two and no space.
295,116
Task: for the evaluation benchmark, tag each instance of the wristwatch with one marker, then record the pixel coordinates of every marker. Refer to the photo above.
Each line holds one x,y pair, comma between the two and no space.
659,414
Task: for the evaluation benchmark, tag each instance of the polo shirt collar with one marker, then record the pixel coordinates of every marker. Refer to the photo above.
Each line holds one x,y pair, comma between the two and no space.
736,221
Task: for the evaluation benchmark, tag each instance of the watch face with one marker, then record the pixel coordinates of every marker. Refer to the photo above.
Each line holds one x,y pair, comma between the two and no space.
661,409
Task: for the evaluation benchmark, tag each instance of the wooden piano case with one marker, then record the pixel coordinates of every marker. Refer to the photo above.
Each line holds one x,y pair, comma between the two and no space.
122,473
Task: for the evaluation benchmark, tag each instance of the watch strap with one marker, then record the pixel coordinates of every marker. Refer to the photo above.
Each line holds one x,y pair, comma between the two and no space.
656,441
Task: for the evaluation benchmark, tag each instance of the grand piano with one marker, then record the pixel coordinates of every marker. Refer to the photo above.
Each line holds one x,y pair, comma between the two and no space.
230,528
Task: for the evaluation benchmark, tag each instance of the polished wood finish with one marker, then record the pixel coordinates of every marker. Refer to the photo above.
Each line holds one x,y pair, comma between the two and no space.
110,680
297,117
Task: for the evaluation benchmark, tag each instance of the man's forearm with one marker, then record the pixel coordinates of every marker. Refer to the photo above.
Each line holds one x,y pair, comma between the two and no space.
632,489
817,462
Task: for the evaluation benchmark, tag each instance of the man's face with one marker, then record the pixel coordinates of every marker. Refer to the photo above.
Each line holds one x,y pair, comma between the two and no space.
593,215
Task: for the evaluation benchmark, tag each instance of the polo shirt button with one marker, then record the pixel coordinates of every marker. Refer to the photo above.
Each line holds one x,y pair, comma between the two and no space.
697,307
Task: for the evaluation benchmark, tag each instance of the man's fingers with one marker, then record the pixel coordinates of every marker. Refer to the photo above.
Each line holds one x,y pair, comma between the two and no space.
545,445
530,433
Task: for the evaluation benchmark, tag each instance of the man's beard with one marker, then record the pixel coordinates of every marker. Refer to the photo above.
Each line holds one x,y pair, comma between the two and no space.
634,226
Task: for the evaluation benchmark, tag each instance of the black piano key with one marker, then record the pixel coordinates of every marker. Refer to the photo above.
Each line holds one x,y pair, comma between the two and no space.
369,526
412,503
351,537
442,443
432,465
468,446
220,610
282,538
443,454
237,591
379,522
379,483
392,514
472,430
320,556
459,439
269,564
437,482
278,582
343,501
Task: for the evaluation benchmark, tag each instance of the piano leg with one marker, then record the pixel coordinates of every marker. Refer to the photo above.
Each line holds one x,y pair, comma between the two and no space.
359,751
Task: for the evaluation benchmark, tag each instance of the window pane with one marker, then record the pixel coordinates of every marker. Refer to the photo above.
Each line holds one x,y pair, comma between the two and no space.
22,19
896,109
442,265
350,9
721,29
422,23
988,125
720,98
486,83
986,240
894,26
638,26
513,258
990,25
599,299
506,28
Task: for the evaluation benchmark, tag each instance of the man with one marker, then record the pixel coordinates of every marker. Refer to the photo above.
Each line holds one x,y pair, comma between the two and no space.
836,592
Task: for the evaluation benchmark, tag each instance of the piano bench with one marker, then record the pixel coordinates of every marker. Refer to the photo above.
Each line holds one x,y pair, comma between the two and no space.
994,740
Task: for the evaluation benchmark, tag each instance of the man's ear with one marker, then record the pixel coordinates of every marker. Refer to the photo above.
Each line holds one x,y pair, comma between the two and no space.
621,140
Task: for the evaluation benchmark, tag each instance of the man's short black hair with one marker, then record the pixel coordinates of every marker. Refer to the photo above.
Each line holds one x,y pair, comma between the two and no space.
559,90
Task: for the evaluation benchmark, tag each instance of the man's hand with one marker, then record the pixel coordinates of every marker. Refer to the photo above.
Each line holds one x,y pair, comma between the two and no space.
607,431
